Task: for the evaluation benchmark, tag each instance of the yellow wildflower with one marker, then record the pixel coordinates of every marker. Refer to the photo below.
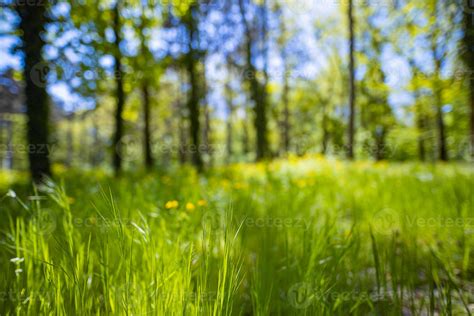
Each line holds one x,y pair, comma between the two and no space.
171,204
202,202
190,206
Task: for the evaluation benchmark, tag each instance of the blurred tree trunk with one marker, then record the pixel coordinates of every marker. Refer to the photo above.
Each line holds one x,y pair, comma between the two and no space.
96,154
119,93
420,117
472,112
286,108
147,126
286,85
257,89
262,135
326,134
468,56
191,64
207,131
230,115
35,71
325,104
180,108
378,113
182,140
10,154
440,124
70,140
146,59
443,152
440,37
245,132
380,143
83,143
10,151
352,94
421,125
193,108
261,123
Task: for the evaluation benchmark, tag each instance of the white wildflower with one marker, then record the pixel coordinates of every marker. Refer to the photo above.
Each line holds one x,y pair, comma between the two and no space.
17,260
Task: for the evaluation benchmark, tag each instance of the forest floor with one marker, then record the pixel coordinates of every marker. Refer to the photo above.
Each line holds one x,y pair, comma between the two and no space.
303,236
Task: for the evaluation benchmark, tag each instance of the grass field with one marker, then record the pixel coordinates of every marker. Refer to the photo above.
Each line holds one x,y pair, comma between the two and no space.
304,237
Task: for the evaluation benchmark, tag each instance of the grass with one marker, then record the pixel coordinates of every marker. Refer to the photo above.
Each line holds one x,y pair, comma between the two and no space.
298,237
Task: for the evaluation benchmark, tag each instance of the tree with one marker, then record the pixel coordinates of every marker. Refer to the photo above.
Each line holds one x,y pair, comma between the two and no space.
257,87
283,42
286,107
467,53
439,34
330,94
207,128
325,104
420,112
229,98
119,90
184,18
405,36
191,60
352,92
245,129
376,113
32,26
145,59
146,128
98,29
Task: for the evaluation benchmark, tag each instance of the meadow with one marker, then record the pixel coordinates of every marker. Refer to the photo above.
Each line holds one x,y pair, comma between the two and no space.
306,236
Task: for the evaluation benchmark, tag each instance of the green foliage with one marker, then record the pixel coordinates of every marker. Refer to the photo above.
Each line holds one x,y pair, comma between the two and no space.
303,237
